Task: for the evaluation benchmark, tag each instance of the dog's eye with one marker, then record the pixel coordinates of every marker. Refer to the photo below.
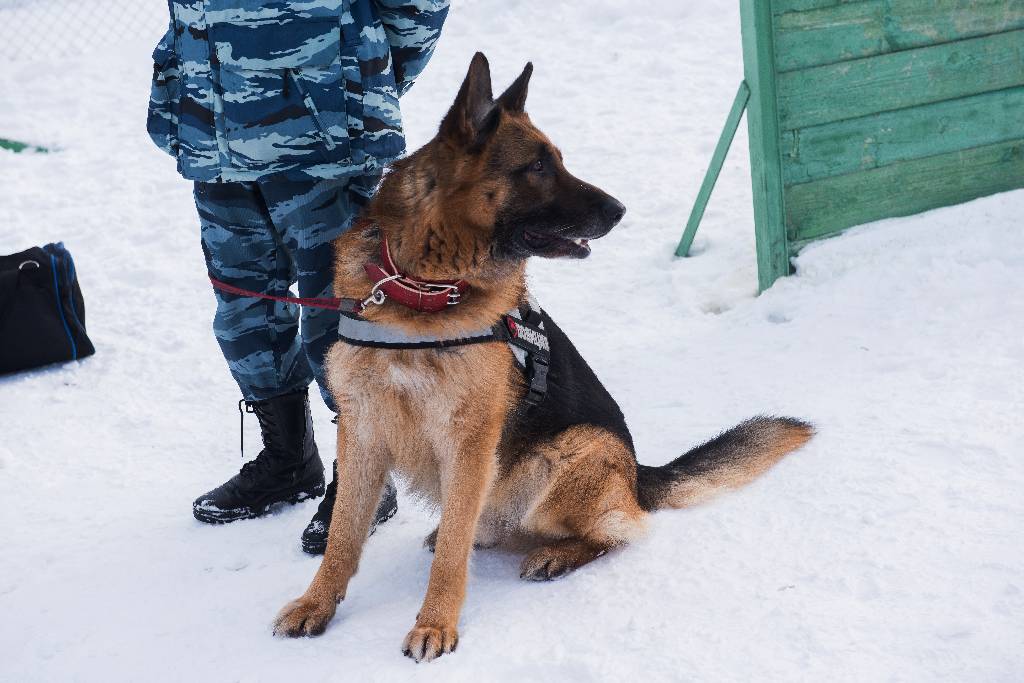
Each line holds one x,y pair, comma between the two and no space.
538,166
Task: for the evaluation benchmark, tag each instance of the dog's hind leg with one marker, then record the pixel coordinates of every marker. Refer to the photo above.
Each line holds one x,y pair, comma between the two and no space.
560,557
361,472
589,505
465,480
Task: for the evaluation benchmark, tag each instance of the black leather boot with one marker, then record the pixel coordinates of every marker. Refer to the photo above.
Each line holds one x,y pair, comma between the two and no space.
287,470
314,538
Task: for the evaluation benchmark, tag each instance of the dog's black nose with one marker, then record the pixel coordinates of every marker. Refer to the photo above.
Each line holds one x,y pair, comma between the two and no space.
613,210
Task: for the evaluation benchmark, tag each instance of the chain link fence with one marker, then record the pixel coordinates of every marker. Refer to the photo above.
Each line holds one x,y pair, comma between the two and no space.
63,63
34,29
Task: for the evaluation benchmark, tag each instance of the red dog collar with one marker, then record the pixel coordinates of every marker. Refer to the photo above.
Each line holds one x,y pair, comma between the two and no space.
427,296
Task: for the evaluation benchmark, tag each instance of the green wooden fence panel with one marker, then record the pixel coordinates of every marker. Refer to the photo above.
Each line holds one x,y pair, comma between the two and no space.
823,207
783,6
901,79
833,34
865,109
913,23
864,29
869,142
765,142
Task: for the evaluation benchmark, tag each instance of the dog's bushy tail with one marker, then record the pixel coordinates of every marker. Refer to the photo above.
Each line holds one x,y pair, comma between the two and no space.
729,461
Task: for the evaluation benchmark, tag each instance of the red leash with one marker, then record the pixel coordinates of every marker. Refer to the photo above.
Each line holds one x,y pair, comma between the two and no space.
427,296
347,305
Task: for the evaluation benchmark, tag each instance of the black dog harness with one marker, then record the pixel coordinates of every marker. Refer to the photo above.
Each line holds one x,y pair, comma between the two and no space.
521,328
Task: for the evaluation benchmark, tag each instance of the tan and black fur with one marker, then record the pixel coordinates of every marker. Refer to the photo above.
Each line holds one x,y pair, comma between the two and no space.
474,203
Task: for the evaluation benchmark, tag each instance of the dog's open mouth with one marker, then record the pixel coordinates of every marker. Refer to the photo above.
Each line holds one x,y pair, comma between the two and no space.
553,246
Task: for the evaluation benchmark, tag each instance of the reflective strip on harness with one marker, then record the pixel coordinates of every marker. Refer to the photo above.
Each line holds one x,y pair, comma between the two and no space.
360,332
524,334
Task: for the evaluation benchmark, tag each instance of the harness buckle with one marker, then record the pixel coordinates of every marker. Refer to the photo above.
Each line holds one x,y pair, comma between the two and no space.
538,378
454,296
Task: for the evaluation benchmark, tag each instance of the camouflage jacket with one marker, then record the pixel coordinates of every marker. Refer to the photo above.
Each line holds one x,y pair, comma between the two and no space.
243,90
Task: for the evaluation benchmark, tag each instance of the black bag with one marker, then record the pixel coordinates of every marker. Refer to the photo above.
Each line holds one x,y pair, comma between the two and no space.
42,314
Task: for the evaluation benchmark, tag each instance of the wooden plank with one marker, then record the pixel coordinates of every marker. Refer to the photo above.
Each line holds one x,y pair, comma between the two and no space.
840,32
913,23
822,94
827,206
763,133
732,122
880,139
829,35
783,6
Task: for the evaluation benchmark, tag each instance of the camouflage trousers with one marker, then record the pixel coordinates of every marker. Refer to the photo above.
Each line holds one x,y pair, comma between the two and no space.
266,236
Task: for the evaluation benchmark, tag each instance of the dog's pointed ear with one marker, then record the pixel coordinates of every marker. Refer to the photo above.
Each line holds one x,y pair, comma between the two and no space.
473,106
514,99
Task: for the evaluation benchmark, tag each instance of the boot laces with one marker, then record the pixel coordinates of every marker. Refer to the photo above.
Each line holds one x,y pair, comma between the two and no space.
256,469
269,430
262,466
243,408
259,467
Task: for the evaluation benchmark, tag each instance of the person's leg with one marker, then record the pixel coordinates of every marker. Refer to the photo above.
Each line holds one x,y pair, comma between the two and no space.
260,341
259,337
310,216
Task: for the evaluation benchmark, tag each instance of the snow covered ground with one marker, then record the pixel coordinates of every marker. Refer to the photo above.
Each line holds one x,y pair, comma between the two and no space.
891,548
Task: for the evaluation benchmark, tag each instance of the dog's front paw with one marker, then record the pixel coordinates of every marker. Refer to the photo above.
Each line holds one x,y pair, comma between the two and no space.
304,617
430,642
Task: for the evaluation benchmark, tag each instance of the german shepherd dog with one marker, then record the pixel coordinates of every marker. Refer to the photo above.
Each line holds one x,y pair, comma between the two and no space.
478,200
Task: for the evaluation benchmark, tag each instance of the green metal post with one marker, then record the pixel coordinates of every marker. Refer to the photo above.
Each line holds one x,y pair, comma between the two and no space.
711,177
